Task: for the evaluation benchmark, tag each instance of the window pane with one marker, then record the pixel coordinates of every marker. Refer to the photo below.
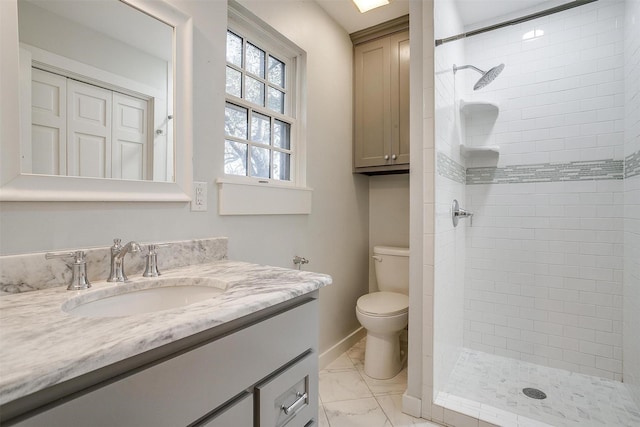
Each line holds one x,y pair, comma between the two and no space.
281,166
276,100
255,60
234,82
254,91
276,72
235,158
260,128
281,135
260,162
234,49
235,121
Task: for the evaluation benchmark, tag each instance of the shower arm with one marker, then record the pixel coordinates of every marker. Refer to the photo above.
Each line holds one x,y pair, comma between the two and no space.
456,68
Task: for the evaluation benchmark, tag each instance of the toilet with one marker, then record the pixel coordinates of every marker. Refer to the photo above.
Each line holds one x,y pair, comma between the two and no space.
385,314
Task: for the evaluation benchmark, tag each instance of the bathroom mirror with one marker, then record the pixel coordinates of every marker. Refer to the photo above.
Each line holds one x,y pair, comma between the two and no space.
98,105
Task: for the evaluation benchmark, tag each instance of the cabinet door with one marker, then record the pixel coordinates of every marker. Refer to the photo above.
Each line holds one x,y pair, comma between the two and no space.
400,98
372,103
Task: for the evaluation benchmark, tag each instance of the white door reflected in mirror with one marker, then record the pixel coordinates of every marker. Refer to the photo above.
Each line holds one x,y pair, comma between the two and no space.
96,90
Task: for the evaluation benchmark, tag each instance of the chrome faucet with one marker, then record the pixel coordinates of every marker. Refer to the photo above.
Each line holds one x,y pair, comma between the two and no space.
117,259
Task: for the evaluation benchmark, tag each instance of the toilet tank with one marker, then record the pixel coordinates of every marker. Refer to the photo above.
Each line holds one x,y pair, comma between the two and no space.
392,268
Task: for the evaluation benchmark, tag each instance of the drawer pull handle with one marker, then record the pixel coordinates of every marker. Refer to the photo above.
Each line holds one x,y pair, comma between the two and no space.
295,405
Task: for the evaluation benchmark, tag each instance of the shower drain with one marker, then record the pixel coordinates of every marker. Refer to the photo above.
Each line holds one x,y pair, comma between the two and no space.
534,393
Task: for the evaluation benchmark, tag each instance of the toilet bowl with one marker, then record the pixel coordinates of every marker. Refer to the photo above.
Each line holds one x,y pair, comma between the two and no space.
385,314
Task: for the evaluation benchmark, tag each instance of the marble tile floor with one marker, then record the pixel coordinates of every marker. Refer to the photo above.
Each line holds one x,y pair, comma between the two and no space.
489,387
349,398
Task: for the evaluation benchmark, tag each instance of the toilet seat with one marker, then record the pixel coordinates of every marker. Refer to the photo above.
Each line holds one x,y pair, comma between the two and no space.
383,304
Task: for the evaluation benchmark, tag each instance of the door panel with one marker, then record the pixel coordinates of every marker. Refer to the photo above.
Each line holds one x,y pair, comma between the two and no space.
45,153
373,104
48,123
131,147
90,151
89,130
400,91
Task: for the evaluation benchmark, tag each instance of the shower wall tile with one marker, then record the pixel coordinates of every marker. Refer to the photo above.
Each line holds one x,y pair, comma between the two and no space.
544,273
544,260
561,95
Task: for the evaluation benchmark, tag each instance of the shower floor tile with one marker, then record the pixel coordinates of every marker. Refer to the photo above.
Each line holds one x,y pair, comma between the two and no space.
496,383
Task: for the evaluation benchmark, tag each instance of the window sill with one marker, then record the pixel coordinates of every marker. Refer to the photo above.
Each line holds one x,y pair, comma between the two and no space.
241,198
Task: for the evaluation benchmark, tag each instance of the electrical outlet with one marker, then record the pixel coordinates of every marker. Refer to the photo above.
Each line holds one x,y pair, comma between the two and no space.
199,200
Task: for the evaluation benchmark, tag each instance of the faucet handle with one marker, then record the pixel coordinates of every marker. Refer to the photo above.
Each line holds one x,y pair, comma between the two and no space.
151,260
153,246
79,279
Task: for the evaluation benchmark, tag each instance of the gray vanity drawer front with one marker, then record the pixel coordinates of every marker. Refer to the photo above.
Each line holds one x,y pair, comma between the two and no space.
294,389
183,389
240,414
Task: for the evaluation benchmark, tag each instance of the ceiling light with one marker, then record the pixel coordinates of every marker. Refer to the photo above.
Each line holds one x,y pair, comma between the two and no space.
367,5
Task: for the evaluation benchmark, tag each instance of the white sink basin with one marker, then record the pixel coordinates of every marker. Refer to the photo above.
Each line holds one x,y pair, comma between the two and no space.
143,297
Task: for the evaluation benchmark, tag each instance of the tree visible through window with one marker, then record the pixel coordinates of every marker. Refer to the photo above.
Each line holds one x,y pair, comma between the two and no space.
257,121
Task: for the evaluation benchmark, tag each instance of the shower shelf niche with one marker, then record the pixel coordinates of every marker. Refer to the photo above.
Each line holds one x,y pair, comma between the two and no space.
487,150
481,107
487,113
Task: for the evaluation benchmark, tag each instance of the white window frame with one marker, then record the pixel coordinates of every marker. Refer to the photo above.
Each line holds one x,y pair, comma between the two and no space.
245,195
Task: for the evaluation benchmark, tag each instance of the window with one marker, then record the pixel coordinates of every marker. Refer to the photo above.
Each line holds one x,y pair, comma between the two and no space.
260,120
265,144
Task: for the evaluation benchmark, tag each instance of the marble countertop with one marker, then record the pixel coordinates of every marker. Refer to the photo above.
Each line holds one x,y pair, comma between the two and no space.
41,345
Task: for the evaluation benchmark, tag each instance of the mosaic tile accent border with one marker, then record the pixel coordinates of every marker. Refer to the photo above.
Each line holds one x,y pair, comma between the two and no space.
548,172
449,168
632,165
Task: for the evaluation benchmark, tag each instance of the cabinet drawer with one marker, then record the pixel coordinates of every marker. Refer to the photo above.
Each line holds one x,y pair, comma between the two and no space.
239,414
289,397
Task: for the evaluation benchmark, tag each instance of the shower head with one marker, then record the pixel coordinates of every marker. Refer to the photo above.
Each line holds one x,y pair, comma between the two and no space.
487,76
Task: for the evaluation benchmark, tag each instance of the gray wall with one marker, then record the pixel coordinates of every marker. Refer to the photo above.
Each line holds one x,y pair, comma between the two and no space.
388,215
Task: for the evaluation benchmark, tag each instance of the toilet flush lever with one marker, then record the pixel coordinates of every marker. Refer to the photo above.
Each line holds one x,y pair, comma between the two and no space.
298,260
377,258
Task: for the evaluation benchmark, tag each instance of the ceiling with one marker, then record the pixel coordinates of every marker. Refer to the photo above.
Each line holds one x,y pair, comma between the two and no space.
471,11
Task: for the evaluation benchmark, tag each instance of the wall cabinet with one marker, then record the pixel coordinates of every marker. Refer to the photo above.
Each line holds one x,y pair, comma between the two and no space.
381,101
263,374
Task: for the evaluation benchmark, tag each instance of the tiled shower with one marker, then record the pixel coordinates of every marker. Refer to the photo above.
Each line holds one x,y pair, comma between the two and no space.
547,271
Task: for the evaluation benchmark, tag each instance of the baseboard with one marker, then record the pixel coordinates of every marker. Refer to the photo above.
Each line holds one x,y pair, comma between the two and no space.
411,405
340,347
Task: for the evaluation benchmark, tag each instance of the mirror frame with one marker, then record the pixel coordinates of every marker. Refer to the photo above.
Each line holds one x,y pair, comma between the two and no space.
18,186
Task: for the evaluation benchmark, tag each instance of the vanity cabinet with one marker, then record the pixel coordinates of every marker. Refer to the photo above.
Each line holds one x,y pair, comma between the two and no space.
381,99
263,372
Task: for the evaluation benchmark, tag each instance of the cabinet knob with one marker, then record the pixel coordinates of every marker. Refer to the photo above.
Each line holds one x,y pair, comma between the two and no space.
386,157
393,157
